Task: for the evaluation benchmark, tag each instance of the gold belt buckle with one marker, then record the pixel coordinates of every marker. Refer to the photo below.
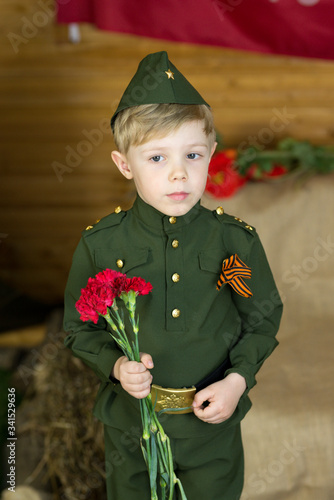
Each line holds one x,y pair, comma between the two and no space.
166,397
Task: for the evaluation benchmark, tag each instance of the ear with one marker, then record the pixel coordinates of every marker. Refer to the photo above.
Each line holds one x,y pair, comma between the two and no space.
213,149
122,164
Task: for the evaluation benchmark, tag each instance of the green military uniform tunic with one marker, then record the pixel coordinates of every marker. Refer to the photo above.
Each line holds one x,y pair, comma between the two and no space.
186,324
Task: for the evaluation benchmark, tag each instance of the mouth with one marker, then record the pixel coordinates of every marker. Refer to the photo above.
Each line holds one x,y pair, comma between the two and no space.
178,196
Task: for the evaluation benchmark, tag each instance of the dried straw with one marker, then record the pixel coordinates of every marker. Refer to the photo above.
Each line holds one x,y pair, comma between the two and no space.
61,405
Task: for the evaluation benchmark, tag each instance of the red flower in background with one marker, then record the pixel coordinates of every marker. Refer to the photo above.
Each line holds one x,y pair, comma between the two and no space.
255,173
223,178
276,171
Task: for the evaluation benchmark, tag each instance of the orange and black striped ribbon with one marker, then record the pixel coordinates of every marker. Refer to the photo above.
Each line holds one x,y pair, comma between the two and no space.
233,272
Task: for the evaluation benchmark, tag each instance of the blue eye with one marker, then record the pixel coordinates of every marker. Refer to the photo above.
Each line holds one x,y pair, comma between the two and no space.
157,158
192,156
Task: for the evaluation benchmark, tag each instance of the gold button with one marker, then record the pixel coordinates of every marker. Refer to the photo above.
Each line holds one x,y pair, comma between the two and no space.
172,220
176,277
249,227
118,210
237,218
175,243
220,210
176,313
89,227
97,220
119,263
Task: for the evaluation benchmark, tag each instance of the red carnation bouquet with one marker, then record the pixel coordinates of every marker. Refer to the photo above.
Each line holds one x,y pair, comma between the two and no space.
100,298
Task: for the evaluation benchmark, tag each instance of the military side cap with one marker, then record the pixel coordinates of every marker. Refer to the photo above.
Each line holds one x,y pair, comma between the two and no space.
157,81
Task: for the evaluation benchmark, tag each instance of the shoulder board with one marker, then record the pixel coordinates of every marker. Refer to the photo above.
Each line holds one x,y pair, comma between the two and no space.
109,221
230,219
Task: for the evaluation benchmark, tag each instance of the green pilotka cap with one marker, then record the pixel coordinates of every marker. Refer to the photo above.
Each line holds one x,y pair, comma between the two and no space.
157,81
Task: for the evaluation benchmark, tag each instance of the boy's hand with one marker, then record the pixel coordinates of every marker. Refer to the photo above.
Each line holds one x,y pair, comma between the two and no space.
134,377
223,397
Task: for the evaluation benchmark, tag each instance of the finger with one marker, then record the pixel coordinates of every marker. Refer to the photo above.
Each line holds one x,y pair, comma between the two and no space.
134,367
139,387
212,414
201,396
140,394
138,390
140,379
213,419
205,413
147,360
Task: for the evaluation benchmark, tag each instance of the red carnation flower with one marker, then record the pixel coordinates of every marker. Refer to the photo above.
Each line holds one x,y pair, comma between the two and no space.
94,300
113,279
223,178
101,291
108,276
139,285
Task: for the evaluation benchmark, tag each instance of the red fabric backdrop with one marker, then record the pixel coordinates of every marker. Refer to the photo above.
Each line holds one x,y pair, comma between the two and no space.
293,27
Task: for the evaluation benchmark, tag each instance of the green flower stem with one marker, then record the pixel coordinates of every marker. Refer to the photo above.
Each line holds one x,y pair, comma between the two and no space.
116,328
160,428
154,416
148,451
163,453
150,462
148,459
170,471
162,472
120,321
146,418
137,344
121,340
143,449
273,155
183,495
154,443
154,465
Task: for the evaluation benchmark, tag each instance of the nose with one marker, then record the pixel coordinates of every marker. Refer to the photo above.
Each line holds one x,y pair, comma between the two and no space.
178,173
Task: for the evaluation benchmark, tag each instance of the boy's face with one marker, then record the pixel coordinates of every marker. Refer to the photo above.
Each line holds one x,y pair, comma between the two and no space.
170,173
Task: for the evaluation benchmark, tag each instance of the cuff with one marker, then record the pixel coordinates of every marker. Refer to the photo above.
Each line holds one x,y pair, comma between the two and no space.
250,379
107,357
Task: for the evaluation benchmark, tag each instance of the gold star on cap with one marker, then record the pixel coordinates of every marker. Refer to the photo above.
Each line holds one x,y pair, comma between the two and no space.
170,74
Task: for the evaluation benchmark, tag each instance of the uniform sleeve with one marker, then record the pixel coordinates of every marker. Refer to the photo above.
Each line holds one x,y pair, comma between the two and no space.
89,342
260,316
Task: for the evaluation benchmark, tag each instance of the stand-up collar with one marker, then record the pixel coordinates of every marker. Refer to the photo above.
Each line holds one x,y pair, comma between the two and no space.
152,217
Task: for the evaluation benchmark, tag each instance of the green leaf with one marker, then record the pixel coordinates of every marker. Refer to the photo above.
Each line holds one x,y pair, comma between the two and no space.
154,464
165,477
144,452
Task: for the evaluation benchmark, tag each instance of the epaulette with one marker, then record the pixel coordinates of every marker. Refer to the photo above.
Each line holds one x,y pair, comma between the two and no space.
230,219
110,220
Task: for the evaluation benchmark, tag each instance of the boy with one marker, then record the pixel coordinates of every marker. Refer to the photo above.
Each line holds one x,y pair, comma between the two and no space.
202,325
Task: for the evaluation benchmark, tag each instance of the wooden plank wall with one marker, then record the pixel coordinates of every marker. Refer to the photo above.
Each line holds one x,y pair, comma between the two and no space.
57,98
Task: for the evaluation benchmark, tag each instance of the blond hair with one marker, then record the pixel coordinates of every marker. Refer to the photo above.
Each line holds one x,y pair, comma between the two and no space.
139,124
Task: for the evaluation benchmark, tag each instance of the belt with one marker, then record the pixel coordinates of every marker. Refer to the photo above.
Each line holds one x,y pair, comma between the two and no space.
179,401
